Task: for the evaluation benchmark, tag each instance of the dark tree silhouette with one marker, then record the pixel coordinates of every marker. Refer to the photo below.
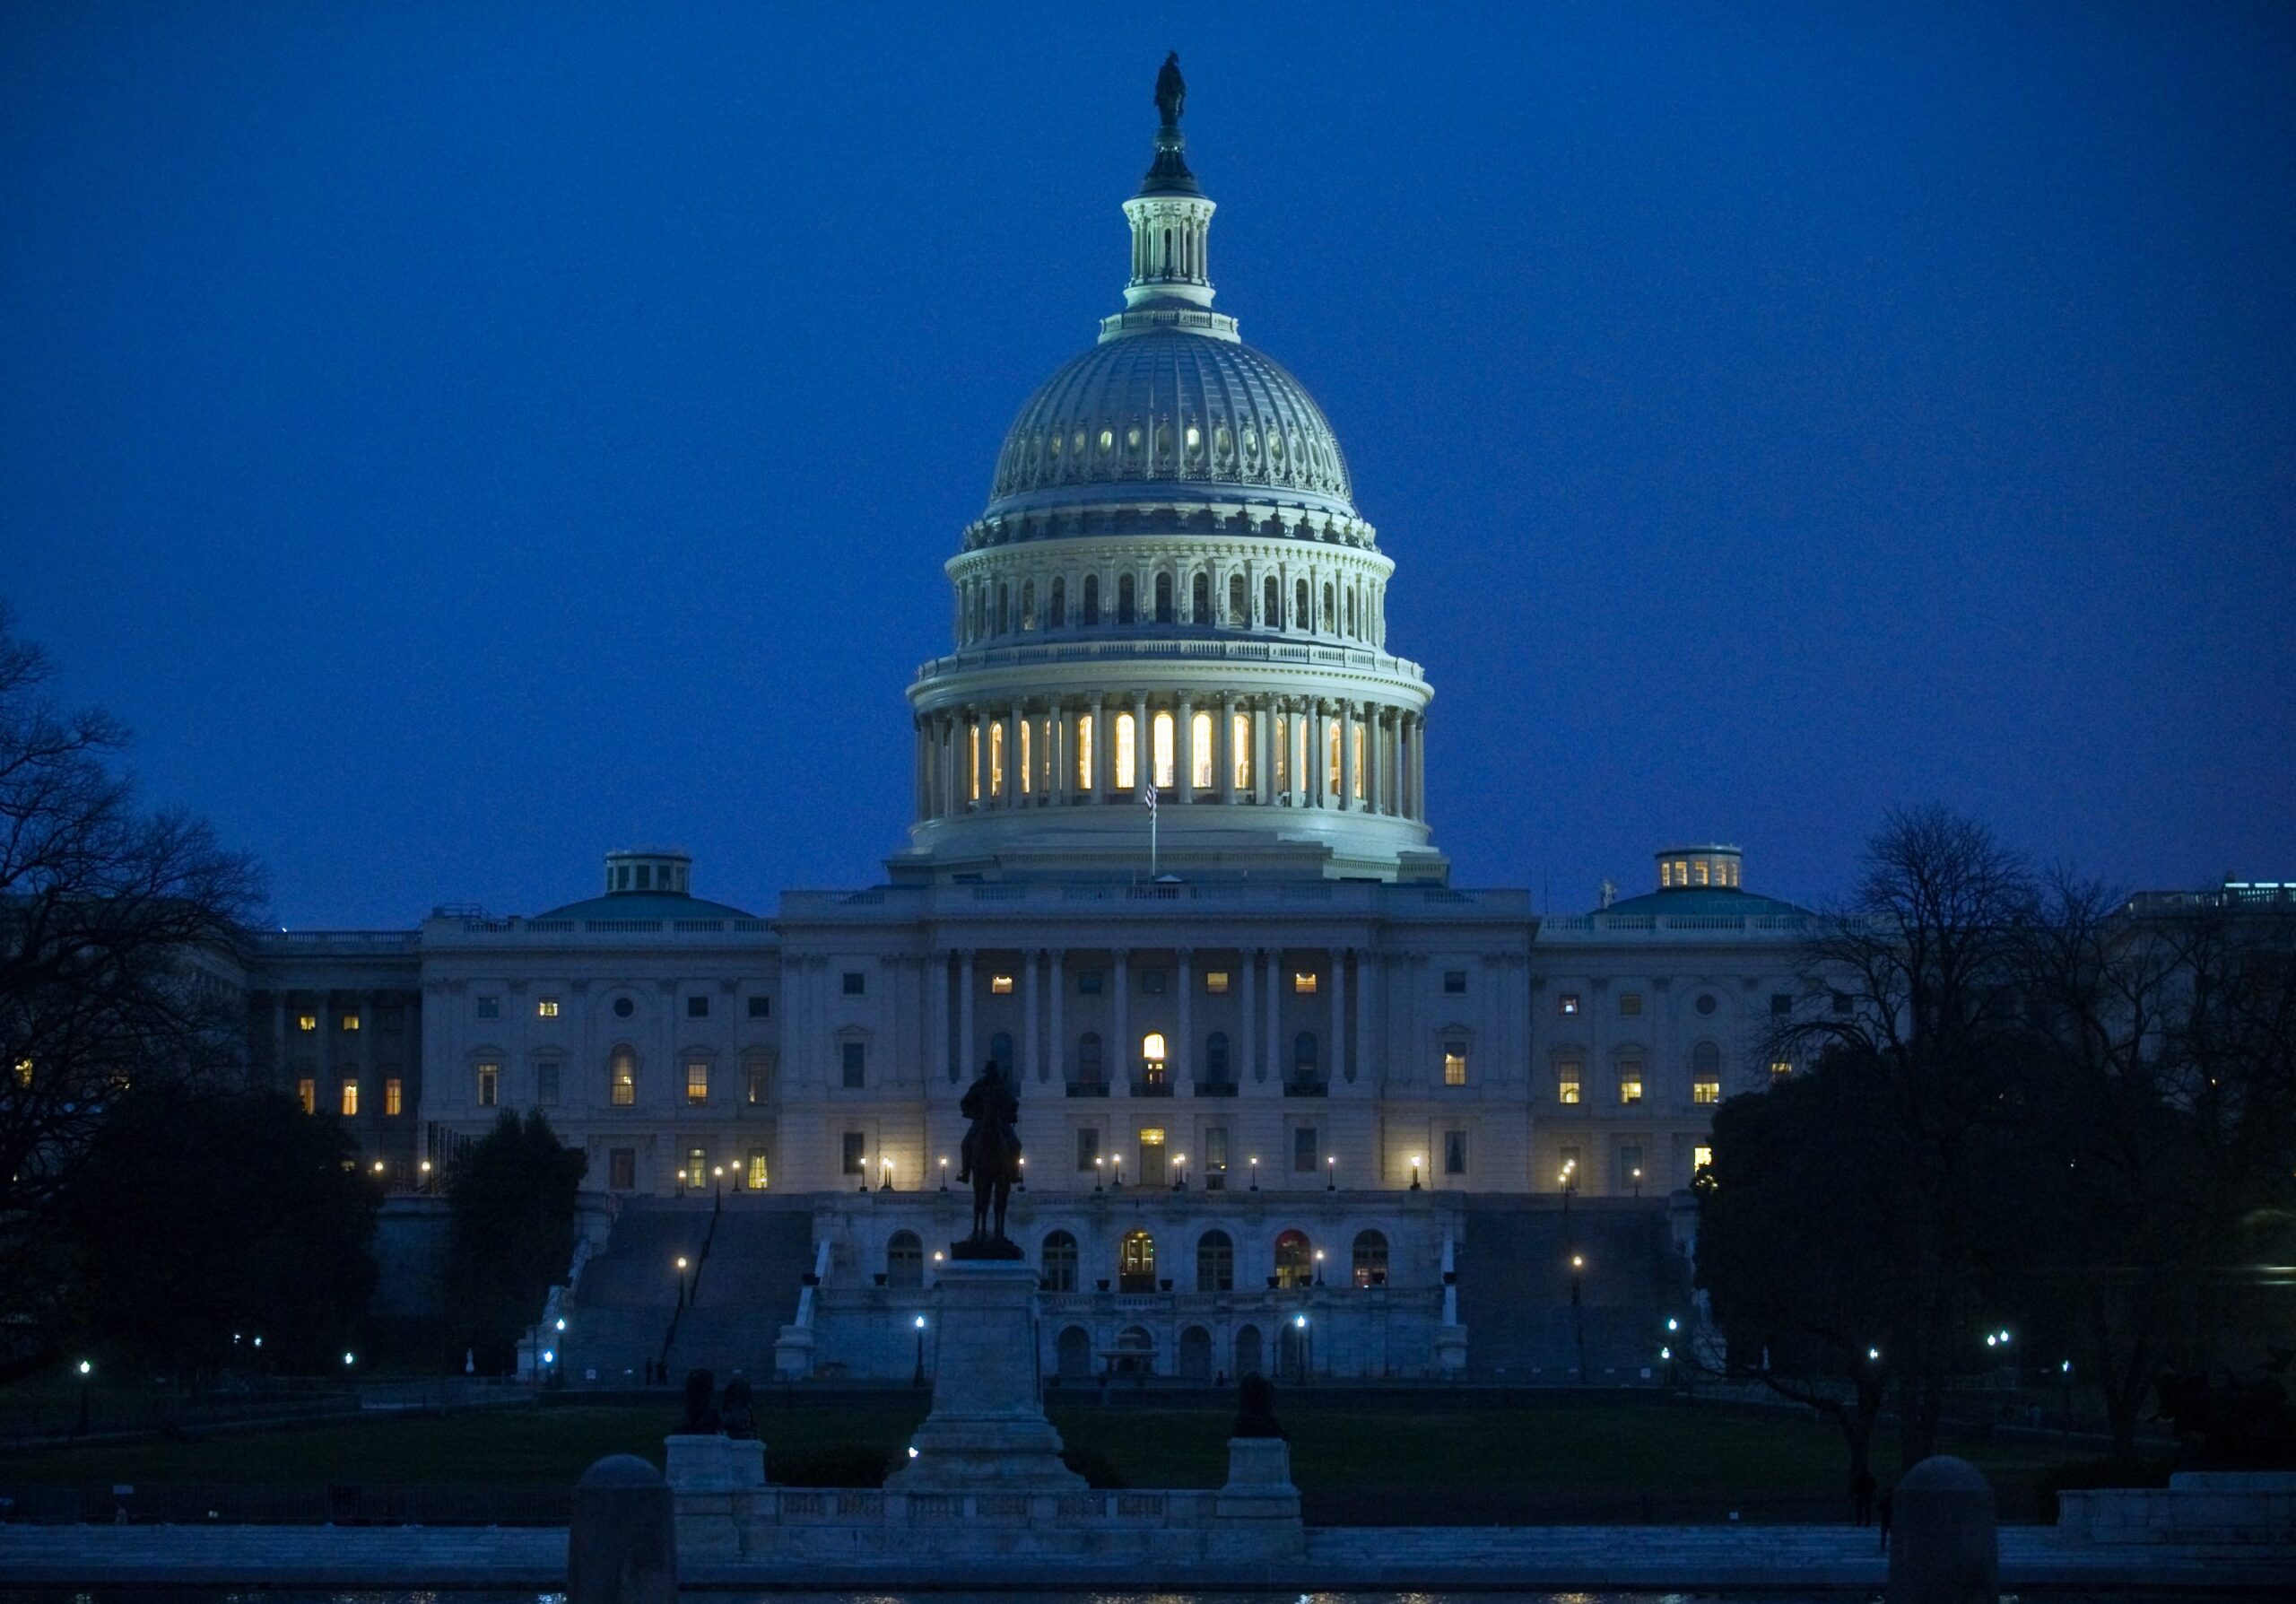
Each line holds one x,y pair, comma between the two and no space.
513,1194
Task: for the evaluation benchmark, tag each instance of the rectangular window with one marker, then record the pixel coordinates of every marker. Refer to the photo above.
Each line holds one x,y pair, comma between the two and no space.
1567,1077
1629,1163
547,1008
1454,1153
1779,1069
856,983
1152,982
1304,1152
753,1176
1215,1151
1215,983
697,1081
1088,982
546,1084
852,1061
1455,1065
394,1098
350,1022
621,1169
853,1150
1706,1091
1630,1088
1000,985
696,1008
1455,982
697,1167
490,1085
489,1007
754,1087
350,1099
307,1093
307,1021
1088,1147
1781,1003
1085,751
1239,749
1303,983
761,1007
1629,1005
1568,1003
1700,1158
623,1083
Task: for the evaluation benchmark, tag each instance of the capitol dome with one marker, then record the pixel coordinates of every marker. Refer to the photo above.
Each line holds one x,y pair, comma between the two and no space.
1170,405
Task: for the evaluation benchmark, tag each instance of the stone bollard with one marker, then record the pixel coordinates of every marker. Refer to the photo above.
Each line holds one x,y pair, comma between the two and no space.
1257,1515
1943,1546
712,1483
622,1547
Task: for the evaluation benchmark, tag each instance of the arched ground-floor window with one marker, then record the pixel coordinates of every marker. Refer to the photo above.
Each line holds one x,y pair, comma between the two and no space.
1136,1263
1248,1361
1195,1354
1371,1258
1073,1355
1294,1259
904,1259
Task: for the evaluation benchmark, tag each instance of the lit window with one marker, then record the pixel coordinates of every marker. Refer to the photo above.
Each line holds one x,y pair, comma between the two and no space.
489,1007
1455,982
996,760
1702,1158
697,1081
350,1099
1303,983
1026,767
1194,437
1331,758
755,1178
1162,754
394,1098
547,1008
1152,1045
1568,1003
1127,772
490,1085
1706,1091
1200,752
307,1093
1239,742
621,1080
1630,1004
1630,1088
1001,984
311,1022
1455,1066
1566,1077
1083,751
1779,1069
1215,983
754,1076
350,1022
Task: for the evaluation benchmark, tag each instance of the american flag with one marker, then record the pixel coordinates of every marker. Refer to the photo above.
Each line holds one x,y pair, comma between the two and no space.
1148,795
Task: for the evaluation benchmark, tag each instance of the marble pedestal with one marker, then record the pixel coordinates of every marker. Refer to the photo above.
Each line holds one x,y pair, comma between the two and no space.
986,1432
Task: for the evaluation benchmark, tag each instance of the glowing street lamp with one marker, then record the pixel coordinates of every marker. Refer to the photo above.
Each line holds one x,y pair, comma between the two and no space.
681,1265
1415,1172
944,1171
1021,1172
1319,1266
1179,1171
885,1173
349,1358
1254,1174
918,1380
1097,1173
1331,1168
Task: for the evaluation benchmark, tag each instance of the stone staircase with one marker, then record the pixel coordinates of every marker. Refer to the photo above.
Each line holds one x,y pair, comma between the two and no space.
747,1257
1515,1277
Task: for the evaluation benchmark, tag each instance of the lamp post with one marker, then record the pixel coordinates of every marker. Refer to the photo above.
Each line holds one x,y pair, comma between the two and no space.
944,1171
918,1378
1179,1171
1021,1172
681,1280
1331,1169
1568,1182
1637,1180
1578,1315
1097,1173
717,1186
1307,1346
422,1173
885,1174
1116,1174
1319,1266
86,1369
1415,1172
1254,1174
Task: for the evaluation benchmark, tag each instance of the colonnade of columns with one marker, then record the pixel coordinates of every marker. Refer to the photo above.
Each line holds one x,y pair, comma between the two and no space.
1259,977
1354,756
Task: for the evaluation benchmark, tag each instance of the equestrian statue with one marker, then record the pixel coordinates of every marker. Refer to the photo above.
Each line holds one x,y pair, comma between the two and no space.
990,1162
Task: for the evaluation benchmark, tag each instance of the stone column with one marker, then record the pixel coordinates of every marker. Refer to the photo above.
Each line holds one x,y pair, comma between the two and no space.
1339,1013
1102,738
1058,1056
1117,1060
966,1062
1248,961
940,1017
1318,757
1012,722
1275,1065
1263,754
1419,768
1063,755
1143,746
1184,752
1366,966
1177,1057
1375,753
1349,742
1028,1013
1225,746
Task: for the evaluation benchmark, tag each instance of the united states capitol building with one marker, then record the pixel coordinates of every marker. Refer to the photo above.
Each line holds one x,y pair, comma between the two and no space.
1289,1096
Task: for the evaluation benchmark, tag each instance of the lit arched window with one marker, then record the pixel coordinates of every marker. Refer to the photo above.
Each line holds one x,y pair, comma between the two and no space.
1152,1047
1163,598
1200,751
1293,1260
1199,599
1299,605
1331,613
1331,758
1028,605
1059,1262
1127,744
1162,756
1003,609
1136,1262
1092,599
1092,1069
622,1077
1270,604
904,1259
1240,750
1126,606
997,758
1215,1058
1351,610
1084,752
1215,1262
1026,770
1236,599
1057,613
1371,1258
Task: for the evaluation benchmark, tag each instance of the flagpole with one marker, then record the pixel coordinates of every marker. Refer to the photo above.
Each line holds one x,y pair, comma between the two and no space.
1149,796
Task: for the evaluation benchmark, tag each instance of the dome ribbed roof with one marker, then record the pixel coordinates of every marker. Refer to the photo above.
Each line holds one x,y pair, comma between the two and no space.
1117,421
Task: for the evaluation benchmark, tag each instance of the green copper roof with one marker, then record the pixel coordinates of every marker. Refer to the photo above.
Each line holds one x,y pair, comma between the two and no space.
1700,900
644,904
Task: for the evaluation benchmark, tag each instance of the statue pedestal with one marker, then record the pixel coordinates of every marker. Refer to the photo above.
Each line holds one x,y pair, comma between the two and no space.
986,1432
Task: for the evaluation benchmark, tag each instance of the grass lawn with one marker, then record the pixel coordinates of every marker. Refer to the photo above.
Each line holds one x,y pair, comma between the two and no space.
1351,1462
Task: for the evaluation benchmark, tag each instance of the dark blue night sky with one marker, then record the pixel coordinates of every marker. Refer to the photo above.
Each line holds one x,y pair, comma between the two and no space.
461,438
